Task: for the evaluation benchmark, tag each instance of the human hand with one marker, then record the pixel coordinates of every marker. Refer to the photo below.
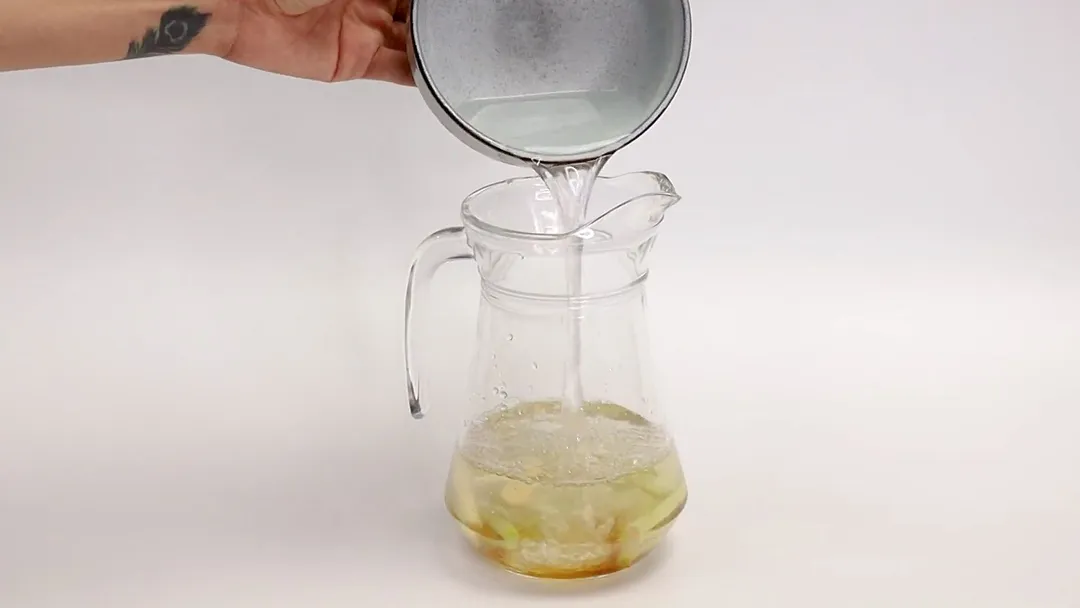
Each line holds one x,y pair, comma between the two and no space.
327,40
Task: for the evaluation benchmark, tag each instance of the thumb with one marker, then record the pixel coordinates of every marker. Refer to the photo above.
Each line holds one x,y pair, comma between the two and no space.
299,7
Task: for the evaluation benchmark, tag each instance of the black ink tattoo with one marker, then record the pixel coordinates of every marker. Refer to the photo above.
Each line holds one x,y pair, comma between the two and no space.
178,27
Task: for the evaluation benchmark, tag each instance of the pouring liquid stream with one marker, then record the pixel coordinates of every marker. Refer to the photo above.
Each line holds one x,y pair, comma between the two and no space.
571,186
563,122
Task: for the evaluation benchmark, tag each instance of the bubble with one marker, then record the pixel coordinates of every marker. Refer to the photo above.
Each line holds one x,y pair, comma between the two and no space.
502,394
510,337
535,365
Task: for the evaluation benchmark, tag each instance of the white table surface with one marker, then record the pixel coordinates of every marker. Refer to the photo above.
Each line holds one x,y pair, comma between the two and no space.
866,318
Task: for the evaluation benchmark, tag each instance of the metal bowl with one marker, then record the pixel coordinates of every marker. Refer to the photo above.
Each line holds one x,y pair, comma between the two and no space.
548,81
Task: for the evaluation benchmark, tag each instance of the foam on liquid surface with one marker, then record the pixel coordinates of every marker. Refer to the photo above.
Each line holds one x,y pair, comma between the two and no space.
545,443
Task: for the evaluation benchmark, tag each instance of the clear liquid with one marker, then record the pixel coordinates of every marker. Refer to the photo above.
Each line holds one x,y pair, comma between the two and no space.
556,124
571,187
554,494
562,123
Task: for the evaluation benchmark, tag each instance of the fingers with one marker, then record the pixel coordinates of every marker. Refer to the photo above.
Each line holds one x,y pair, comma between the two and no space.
396,36
299,7
389,65
374,43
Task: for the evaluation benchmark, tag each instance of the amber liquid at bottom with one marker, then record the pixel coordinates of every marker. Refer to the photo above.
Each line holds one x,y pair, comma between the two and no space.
556,493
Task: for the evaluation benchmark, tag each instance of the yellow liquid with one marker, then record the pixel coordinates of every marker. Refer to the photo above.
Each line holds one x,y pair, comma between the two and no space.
573,493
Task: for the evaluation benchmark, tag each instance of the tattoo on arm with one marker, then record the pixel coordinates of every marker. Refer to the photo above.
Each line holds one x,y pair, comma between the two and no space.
178,27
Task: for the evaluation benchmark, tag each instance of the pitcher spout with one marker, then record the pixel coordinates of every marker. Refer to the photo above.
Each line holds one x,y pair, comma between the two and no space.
649,196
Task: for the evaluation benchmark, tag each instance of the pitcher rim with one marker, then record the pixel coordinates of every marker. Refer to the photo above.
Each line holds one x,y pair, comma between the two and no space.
470,220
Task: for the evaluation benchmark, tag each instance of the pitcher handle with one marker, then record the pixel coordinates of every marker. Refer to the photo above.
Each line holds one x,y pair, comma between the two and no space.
446,245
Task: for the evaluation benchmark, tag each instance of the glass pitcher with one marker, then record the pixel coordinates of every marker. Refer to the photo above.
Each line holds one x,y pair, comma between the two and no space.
542,486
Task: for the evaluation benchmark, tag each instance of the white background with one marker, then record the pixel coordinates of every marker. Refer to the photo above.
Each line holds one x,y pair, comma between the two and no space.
866,315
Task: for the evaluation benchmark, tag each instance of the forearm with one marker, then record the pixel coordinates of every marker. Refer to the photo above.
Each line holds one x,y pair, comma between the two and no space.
47,33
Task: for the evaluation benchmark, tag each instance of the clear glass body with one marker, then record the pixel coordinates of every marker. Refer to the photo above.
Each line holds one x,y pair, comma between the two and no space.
542,487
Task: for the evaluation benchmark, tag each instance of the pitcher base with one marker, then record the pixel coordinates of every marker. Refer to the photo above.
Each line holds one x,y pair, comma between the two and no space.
553,561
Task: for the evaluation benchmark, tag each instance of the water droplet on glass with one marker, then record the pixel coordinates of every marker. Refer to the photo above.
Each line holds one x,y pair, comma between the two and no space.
502,394
495,391
510,337
535,365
